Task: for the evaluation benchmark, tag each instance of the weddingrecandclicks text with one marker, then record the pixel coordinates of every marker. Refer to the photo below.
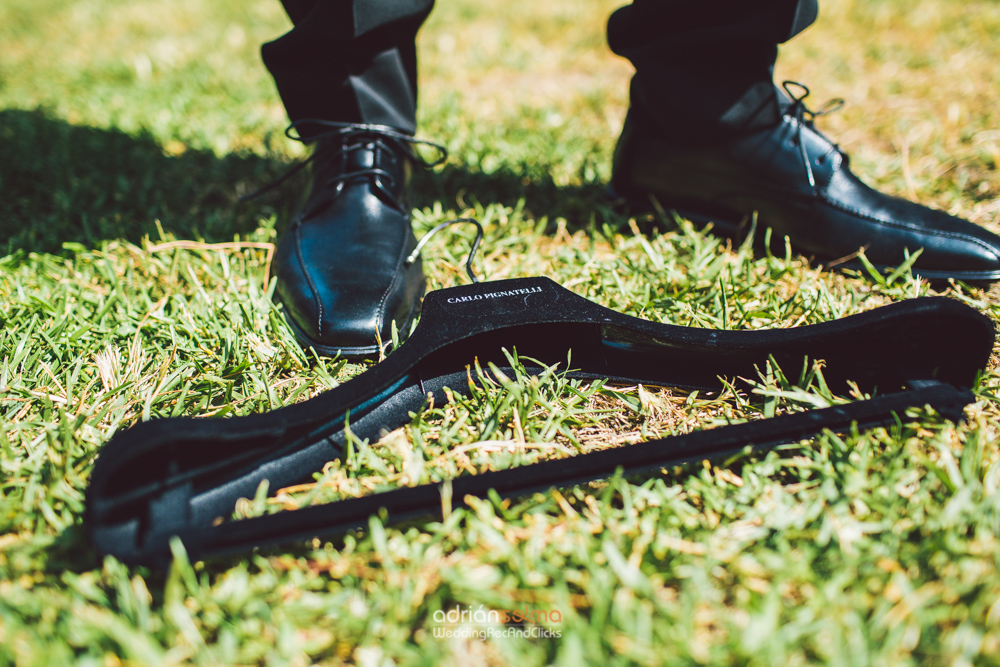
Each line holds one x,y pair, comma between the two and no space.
467,622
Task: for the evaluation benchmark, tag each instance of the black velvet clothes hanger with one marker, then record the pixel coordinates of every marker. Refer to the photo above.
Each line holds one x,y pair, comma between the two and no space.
183,476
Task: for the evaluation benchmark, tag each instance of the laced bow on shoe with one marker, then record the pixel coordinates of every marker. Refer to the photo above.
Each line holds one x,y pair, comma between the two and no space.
804,116
350,137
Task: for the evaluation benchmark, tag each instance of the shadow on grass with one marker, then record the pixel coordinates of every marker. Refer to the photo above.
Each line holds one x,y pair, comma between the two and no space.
460,187
70,184
64,183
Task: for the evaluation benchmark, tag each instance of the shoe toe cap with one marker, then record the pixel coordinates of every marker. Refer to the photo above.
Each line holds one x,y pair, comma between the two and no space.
336,301
888,227
962,248
951,247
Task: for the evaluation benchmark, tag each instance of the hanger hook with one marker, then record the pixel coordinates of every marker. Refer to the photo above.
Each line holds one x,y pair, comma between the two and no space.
472,252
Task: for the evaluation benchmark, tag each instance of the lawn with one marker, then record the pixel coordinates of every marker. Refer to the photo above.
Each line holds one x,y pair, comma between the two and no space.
133,286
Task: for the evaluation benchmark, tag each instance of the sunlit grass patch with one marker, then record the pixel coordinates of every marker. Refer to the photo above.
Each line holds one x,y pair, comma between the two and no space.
135,286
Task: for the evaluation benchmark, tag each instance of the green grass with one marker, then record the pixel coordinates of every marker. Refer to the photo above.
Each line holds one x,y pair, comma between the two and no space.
125,127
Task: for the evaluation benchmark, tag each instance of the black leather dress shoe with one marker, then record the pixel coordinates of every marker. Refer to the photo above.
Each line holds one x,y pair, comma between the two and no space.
342,269
800,185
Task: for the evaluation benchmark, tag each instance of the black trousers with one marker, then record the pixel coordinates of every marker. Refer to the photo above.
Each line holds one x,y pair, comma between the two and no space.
699,64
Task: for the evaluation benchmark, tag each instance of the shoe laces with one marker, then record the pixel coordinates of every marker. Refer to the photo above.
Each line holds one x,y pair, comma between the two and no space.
804,116
351,137
472,252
